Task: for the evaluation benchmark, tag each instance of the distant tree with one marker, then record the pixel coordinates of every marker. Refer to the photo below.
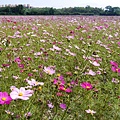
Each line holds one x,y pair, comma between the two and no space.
21,10
51,11
116,10
98,11
109,10
57,12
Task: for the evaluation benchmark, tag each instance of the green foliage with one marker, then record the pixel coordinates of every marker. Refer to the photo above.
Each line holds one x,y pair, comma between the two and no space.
21,10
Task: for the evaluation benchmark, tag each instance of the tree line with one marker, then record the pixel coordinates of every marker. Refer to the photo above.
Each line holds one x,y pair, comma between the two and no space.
88,10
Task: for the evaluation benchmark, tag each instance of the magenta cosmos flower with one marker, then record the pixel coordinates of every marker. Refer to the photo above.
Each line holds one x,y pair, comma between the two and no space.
114,67
5,98
49,70
113,63
86,85
63,106
21,66
21,93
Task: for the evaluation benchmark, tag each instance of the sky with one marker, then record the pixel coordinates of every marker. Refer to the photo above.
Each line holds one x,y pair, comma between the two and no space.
64,3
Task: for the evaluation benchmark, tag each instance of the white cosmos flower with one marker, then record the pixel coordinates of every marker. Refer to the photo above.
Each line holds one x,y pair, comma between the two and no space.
21,93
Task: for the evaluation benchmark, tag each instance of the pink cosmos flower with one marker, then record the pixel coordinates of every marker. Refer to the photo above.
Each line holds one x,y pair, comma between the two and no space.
21,71
61,78
59,94
30,74
50,105
28,114
118,70
63,106
86,85
98,72
12,88
16,77
17,60
70,37
114,80
95,63
55,81
9,112
38,53
114,67
33,82
118,43
62,82
29,59
90,111
6,65
67,50
49,70
61,87
5,98
56,48
68,90
21,93
0,69
90,73
1,49
74,82
51,49
17,33
73,54
21,66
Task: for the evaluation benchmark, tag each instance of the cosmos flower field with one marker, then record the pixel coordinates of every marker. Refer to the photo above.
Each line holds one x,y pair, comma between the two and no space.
59,68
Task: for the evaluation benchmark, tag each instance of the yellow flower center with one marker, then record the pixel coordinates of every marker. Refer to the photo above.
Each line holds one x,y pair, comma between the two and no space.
68,84
8,112
20,94
87,87
40,88
36,83
64,89
48,71
58,75
3,98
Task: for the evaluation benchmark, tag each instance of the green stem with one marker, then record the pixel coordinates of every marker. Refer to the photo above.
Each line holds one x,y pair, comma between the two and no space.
65,112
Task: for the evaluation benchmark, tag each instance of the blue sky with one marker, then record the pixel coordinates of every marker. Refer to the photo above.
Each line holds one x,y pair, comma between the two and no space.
64,3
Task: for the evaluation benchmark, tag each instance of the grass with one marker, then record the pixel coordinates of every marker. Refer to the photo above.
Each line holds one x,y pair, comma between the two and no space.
78,42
